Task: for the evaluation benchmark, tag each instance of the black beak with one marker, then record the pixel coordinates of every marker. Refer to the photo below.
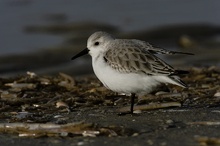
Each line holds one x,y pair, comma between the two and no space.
83,52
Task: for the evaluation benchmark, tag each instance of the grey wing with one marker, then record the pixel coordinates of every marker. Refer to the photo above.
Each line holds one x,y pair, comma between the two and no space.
132,59
156,50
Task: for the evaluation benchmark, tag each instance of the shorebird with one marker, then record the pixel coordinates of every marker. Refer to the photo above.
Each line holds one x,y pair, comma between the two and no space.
130,66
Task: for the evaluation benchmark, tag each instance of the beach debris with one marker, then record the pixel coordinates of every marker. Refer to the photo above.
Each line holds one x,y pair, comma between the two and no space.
5,95
64,130
39,130
217,94
208,123
150,106
31,74
61,104
21,85
207,141
44,81
53,99
67,81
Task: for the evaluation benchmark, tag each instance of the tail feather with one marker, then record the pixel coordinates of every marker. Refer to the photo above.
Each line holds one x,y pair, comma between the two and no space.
176,52
178,81
172,80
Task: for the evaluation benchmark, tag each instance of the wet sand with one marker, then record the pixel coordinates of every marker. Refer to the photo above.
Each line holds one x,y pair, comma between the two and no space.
158,127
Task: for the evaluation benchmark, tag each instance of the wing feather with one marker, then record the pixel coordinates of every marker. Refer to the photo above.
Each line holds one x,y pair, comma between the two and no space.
156,50
131,58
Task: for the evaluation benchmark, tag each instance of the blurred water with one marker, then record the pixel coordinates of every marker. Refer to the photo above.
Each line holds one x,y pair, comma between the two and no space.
128,15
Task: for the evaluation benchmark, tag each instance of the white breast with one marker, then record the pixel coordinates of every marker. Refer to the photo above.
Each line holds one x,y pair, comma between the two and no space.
122,82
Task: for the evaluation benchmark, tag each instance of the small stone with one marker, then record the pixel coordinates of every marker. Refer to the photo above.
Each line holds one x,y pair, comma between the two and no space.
61,104
150,142
80,143
137,111
135,134
169,121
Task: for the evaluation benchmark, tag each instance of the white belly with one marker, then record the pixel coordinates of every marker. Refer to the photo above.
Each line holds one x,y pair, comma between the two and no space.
123,82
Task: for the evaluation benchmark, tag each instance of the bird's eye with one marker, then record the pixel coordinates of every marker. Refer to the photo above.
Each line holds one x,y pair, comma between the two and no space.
96,43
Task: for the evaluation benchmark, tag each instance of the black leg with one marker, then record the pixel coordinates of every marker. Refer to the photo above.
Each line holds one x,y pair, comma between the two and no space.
132,102
132,106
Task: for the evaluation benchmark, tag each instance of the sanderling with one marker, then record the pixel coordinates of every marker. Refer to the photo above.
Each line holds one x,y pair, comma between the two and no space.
128,65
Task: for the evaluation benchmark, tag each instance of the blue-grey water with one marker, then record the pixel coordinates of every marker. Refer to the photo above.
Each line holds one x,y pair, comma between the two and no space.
128,15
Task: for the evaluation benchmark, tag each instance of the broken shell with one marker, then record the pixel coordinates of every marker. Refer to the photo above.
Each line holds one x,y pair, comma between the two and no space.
36,105
161,93
61,104
8,96
90,133
217,94
209,123
31,74
137,111
58,116
21,85
204,140
27,134
45,81
68,78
